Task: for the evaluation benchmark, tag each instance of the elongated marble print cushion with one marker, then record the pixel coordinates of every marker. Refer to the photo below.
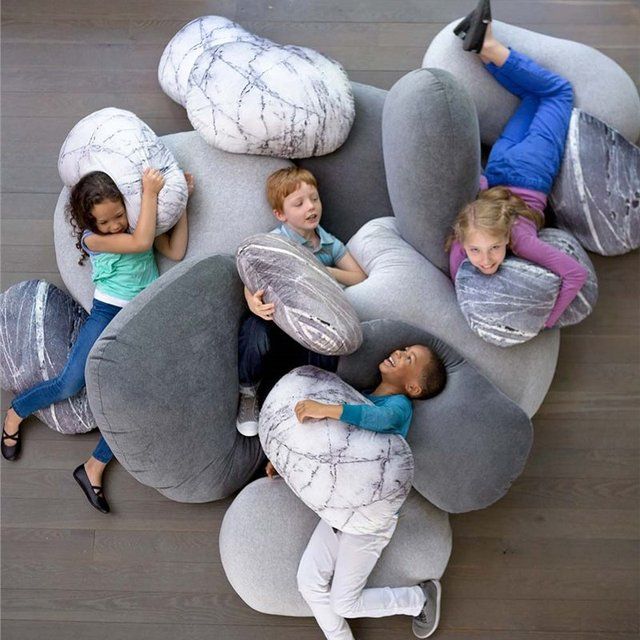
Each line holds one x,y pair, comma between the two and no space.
512,305
38,326
179,56
120,144
309,304
354,479
597,194
263,98
266,529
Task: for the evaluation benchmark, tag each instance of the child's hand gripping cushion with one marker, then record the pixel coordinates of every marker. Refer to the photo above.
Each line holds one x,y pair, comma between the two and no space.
355,479
121,145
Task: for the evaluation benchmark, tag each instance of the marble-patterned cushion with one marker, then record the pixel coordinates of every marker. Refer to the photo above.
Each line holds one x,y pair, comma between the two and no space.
310,305
266,530
354,479
470,442
118,143
597,194
38,327
266,99
512,305
601,87
162,382
179,56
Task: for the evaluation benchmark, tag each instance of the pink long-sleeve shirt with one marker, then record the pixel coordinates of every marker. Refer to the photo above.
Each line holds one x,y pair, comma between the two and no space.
526,244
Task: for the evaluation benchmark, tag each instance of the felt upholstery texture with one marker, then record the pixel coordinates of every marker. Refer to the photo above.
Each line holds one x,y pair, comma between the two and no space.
470,442
266,529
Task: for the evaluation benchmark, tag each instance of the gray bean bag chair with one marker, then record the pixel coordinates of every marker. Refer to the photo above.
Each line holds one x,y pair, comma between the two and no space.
266,529
39,326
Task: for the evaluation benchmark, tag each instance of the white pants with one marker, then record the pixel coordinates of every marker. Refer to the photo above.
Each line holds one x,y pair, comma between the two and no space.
333,571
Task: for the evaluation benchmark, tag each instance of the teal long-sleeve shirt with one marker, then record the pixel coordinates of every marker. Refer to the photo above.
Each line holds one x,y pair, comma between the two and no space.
389,414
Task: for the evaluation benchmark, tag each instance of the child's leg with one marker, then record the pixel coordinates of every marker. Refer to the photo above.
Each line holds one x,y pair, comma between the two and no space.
254,342
357,556
315,573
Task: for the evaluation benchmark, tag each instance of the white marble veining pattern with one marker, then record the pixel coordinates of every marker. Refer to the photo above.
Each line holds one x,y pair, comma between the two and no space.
512,305
120,144
179,56
38,327
310,305
597,193
355,479
262,98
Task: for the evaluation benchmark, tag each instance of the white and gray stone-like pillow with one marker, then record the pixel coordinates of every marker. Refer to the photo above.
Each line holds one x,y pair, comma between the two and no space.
39,325
597,193
266,530
263,98
512,305
179,56
310,305
354,479
118,143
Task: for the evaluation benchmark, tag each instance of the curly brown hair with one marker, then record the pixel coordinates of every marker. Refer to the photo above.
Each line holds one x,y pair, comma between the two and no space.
92,189
494,212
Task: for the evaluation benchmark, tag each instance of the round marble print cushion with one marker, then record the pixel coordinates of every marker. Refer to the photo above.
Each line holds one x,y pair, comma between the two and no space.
310,305
512,305
266,99
179,56
118,143
266,530
38,327
353,478
597,193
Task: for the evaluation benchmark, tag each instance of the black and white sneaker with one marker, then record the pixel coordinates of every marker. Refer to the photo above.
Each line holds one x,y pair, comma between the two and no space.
473,27
426,622
248,412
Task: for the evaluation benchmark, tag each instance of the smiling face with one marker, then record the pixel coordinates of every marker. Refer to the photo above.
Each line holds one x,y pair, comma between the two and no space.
404,368
110,216
485,251
301,209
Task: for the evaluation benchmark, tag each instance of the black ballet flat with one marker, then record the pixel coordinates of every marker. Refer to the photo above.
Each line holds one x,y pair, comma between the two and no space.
473,28
10,452
94,494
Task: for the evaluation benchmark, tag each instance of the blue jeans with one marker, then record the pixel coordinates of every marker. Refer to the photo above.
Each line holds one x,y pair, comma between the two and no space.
258,337
529,152
71,379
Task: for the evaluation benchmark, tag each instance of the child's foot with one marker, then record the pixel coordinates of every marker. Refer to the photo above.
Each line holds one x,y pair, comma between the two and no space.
473,27
426,622
10,444
248,412
89,477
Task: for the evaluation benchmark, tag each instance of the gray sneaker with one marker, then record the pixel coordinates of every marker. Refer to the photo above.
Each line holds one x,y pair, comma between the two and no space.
426,622
248,412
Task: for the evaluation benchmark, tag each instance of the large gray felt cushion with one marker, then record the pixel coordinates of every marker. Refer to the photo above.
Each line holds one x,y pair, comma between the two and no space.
353,478
162,382
512,305
123,146
432,156
601,87
228,204
403,285
38,327
309,303
597,194
266,530
470,442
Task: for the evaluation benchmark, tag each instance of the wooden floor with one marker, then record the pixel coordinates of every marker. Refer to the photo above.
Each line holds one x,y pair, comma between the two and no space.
557,559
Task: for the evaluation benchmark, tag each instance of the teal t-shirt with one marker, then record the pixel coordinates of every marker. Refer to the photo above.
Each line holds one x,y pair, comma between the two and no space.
328,251
389,414
121,275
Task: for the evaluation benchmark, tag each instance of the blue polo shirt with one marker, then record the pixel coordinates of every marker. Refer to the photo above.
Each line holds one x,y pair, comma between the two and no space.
329,251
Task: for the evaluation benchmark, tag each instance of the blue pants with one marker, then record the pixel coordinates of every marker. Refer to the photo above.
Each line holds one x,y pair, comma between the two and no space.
71,379
258,337
529,152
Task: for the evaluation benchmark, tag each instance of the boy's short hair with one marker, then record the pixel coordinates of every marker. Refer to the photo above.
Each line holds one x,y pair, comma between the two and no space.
433,377
283,182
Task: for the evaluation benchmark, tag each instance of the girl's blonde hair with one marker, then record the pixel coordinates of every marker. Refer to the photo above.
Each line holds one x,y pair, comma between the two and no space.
494,212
